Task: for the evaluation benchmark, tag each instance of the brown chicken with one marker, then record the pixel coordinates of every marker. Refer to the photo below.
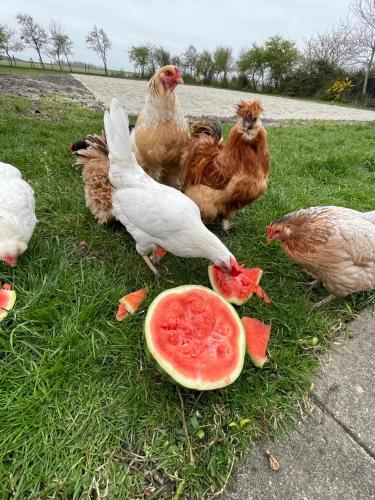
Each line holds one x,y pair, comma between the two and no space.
158,139
224,178
333,244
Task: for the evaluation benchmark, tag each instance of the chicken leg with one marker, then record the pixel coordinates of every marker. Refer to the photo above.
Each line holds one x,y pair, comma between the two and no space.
322,302
150,265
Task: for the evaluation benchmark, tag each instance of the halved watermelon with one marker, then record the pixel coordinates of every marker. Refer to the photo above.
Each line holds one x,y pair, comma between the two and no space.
237,288
7,300
133,300
195,337
257,338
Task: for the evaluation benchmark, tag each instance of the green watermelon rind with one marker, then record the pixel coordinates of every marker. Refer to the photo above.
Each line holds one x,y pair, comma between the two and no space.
11,301
231,299
169,371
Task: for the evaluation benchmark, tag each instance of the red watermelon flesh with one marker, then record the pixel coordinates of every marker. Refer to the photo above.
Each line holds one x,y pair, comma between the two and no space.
132,301
195,337
121,312
7,300
257,338
237,288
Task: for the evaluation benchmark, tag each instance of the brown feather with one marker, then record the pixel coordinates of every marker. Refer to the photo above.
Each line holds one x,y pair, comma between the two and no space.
223,179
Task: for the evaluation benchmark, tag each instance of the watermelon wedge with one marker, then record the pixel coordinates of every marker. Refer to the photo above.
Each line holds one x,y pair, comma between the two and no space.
7,300
238,287
195,337
121,312
257,338
132,301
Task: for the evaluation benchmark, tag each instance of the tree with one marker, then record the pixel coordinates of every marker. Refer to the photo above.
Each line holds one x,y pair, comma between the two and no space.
33,34
2,35
337,46
60,43
205,67
9,41
364,11
280,55
140,56
161,56
176,61
99,42
252,63
189,61
223,62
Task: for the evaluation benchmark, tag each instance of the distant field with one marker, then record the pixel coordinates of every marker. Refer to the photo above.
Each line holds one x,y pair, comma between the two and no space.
24,65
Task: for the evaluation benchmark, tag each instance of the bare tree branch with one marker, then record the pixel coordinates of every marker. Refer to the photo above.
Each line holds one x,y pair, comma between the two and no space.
33,34
99,42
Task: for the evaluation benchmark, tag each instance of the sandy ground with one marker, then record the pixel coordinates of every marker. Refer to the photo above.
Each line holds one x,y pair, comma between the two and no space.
206,101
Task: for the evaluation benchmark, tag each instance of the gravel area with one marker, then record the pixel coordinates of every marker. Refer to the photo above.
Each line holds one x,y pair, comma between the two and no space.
207,101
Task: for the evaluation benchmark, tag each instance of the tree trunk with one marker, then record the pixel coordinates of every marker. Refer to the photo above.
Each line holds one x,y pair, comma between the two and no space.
58,59
68,63
9,58
367,72
40,57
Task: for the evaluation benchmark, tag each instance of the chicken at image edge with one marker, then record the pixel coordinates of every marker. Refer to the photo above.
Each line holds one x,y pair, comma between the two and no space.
17,215
158,139
224,178
335,245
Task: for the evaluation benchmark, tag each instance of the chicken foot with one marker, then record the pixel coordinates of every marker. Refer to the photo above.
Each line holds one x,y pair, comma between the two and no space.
227,225
313,284
150,264
322,302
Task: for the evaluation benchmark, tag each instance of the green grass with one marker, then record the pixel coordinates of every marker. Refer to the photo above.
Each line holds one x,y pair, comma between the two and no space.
80,403
23,68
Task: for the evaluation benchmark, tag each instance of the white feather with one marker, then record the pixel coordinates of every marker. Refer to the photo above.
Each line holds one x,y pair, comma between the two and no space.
154,214
17,212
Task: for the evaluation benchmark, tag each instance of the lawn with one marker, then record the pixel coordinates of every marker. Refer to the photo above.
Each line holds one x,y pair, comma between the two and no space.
81,406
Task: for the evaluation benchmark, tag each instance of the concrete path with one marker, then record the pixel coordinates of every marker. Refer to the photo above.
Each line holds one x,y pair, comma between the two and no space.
207,101
331,454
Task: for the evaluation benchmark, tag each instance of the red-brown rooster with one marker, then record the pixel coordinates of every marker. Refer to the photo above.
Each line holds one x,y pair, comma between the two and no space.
224,178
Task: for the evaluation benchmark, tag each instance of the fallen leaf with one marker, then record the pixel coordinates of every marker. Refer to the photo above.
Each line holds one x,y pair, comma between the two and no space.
272,461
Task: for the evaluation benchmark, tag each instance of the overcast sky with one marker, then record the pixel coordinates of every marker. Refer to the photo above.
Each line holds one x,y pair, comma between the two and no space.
175,24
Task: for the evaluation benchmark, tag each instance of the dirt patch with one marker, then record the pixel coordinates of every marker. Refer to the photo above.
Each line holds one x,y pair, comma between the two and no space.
55,84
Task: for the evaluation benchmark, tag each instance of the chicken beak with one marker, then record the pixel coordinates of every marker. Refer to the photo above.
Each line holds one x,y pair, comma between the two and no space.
180,80
11,261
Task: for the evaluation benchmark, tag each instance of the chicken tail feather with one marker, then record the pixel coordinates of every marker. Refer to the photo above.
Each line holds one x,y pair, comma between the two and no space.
210,127
116,124
124,169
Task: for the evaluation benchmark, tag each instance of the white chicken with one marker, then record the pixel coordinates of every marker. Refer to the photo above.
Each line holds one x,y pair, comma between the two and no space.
155,215
17,214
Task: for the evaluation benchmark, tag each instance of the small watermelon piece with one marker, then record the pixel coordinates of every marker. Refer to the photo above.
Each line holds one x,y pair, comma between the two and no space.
121,312
132,301
257,338
238,287
195,337
7,300
159,253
